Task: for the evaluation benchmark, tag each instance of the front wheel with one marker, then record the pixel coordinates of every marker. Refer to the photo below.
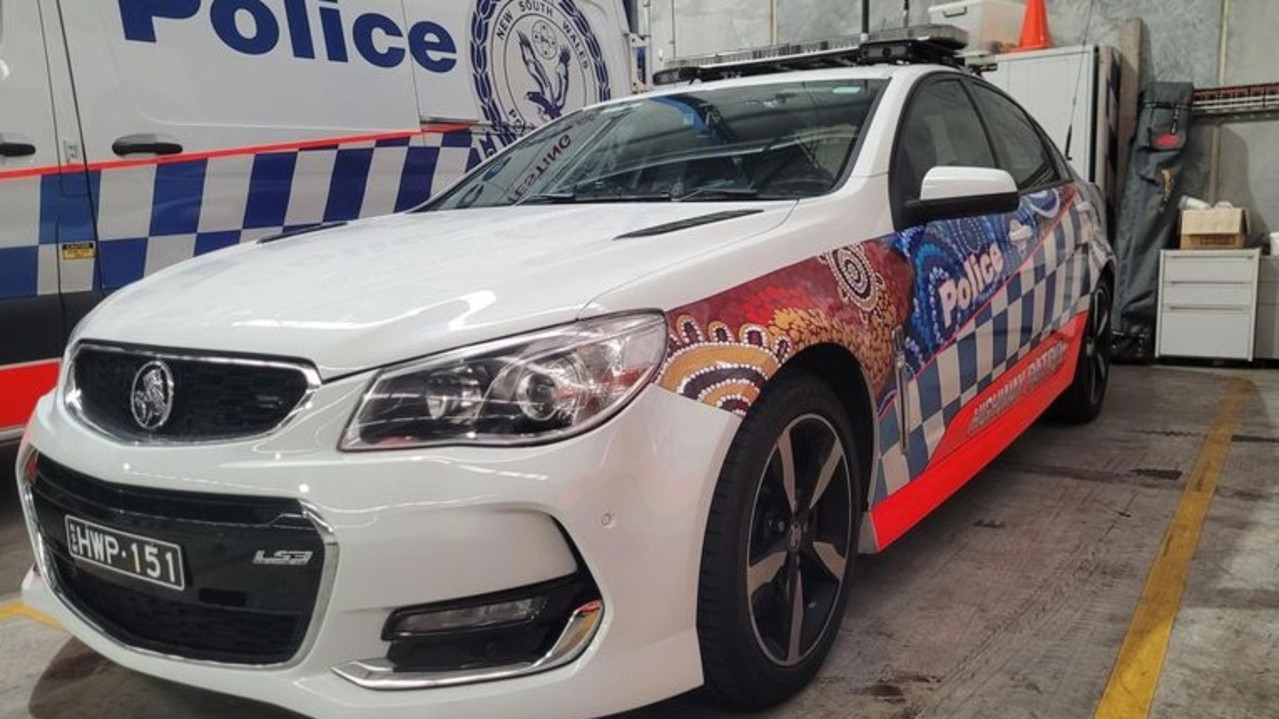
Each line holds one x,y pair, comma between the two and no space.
1081,402
780,544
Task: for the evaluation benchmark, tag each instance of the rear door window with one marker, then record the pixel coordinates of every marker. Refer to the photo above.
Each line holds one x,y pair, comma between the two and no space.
1019,147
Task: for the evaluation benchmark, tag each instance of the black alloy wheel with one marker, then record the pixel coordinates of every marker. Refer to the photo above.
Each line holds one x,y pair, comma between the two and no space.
800,536
780,545
1082,400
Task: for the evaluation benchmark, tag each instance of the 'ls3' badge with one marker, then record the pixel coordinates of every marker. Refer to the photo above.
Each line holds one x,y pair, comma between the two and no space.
283,557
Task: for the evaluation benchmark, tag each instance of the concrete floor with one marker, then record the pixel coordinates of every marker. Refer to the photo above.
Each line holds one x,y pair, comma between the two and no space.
1012,600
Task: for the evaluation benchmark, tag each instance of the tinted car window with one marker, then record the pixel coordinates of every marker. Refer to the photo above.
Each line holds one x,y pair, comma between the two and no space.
771,141
941,127
1019,146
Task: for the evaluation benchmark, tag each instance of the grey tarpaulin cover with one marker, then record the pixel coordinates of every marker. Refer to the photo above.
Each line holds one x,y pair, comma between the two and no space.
1148,215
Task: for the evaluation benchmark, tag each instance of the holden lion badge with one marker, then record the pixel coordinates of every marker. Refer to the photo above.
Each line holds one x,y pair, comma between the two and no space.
152,396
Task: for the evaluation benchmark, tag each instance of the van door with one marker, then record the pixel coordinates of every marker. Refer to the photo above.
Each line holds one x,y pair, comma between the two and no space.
44,212
214,122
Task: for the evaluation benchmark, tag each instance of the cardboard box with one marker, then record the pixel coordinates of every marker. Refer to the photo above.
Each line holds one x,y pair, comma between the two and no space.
1214,229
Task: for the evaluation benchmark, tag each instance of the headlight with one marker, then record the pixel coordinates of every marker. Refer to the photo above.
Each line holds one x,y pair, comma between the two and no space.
522,390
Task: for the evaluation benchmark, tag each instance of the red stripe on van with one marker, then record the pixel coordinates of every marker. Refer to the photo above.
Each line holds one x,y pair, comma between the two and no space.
20,387
233,151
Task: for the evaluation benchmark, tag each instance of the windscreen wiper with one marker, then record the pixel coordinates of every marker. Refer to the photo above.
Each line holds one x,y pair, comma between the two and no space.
718,193
564,198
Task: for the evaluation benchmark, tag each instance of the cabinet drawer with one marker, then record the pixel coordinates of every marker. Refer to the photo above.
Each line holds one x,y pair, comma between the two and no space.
1179,268
1202,294
1222,333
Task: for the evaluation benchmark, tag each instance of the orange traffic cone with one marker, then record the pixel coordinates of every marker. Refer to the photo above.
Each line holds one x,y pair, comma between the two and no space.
1034,28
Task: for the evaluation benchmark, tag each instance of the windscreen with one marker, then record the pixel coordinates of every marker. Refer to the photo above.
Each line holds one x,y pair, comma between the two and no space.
774,141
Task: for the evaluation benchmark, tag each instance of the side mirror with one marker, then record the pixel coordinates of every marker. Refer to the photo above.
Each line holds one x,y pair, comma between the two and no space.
953,192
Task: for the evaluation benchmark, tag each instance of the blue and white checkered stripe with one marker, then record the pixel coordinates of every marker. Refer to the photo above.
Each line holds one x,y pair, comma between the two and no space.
189,208
36,213
1048,290
154,215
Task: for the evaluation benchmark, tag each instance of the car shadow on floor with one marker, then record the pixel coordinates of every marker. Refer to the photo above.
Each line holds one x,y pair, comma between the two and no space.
78,672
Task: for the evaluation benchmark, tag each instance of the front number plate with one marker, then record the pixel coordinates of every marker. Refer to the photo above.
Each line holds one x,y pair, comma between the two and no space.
150,560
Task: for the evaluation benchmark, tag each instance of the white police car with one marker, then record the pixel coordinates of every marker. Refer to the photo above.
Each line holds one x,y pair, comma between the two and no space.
607,421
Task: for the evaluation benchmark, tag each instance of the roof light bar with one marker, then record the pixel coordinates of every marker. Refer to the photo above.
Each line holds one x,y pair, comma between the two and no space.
931,44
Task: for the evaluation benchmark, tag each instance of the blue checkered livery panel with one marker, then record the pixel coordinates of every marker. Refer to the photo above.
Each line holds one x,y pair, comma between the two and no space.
147,217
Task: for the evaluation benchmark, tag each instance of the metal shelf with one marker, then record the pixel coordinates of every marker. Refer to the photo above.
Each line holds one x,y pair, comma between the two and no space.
1237,100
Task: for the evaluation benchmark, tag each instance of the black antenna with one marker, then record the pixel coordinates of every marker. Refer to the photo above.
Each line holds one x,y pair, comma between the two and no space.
1074,100
865,18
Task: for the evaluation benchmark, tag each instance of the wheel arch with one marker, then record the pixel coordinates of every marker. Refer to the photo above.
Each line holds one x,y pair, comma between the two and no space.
839,369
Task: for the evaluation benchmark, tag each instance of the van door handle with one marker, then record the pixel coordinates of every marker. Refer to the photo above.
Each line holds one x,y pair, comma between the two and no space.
146,145
16,146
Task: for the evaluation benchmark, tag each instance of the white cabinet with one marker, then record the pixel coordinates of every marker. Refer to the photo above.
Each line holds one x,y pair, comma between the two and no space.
1207,303
1267,344
1073,92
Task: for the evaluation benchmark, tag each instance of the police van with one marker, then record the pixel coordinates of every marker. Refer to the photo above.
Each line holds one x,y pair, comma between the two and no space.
138,133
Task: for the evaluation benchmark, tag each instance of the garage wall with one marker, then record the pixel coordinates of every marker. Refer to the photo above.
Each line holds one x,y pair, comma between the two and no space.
1183,42
1248,168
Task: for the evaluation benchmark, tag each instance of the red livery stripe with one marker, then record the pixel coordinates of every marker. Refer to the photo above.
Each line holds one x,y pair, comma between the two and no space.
20,387
232,151
982,429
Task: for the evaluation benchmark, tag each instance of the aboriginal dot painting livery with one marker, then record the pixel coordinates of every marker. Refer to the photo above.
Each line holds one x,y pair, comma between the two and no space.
987,307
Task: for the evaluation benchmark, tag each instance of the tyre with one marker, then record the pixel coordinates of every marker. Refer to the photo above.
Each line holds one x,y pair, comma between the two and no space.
780,545
1081,402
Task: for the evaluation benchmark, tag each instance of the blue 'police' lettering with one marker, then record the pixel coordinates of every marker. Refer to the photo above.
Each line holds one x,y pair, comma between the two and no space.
252,27
299,29
334,43
362,34
266,30
138,16
432,46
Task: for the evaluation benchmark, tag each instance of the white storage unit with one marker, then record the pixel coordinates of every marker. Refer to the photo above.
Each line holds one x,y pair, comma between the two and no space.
1073,92
1267,343
992,25
1207,303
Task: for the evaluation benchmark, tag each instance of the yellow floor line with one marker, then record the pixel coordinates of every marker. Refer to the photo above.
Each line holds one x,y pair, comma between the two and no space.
1131,688
18,609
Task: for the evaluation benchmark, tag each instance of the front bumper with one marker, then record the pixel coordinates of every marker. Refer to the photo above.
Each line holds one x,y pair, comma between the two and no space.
626,502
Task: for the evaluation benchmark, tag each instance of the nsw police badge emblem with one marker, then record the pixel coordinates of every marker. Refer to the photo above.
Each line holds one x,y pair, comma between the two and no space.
532,61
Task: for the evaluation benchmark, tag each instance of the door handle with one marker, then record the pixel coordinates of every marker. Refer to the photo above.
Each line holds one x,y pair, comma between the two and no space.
146,145
16,146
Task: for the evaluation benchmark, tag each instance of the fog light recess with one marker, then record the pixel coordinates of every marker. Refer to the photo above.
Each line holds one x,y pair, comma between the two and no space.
410,623
484,638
